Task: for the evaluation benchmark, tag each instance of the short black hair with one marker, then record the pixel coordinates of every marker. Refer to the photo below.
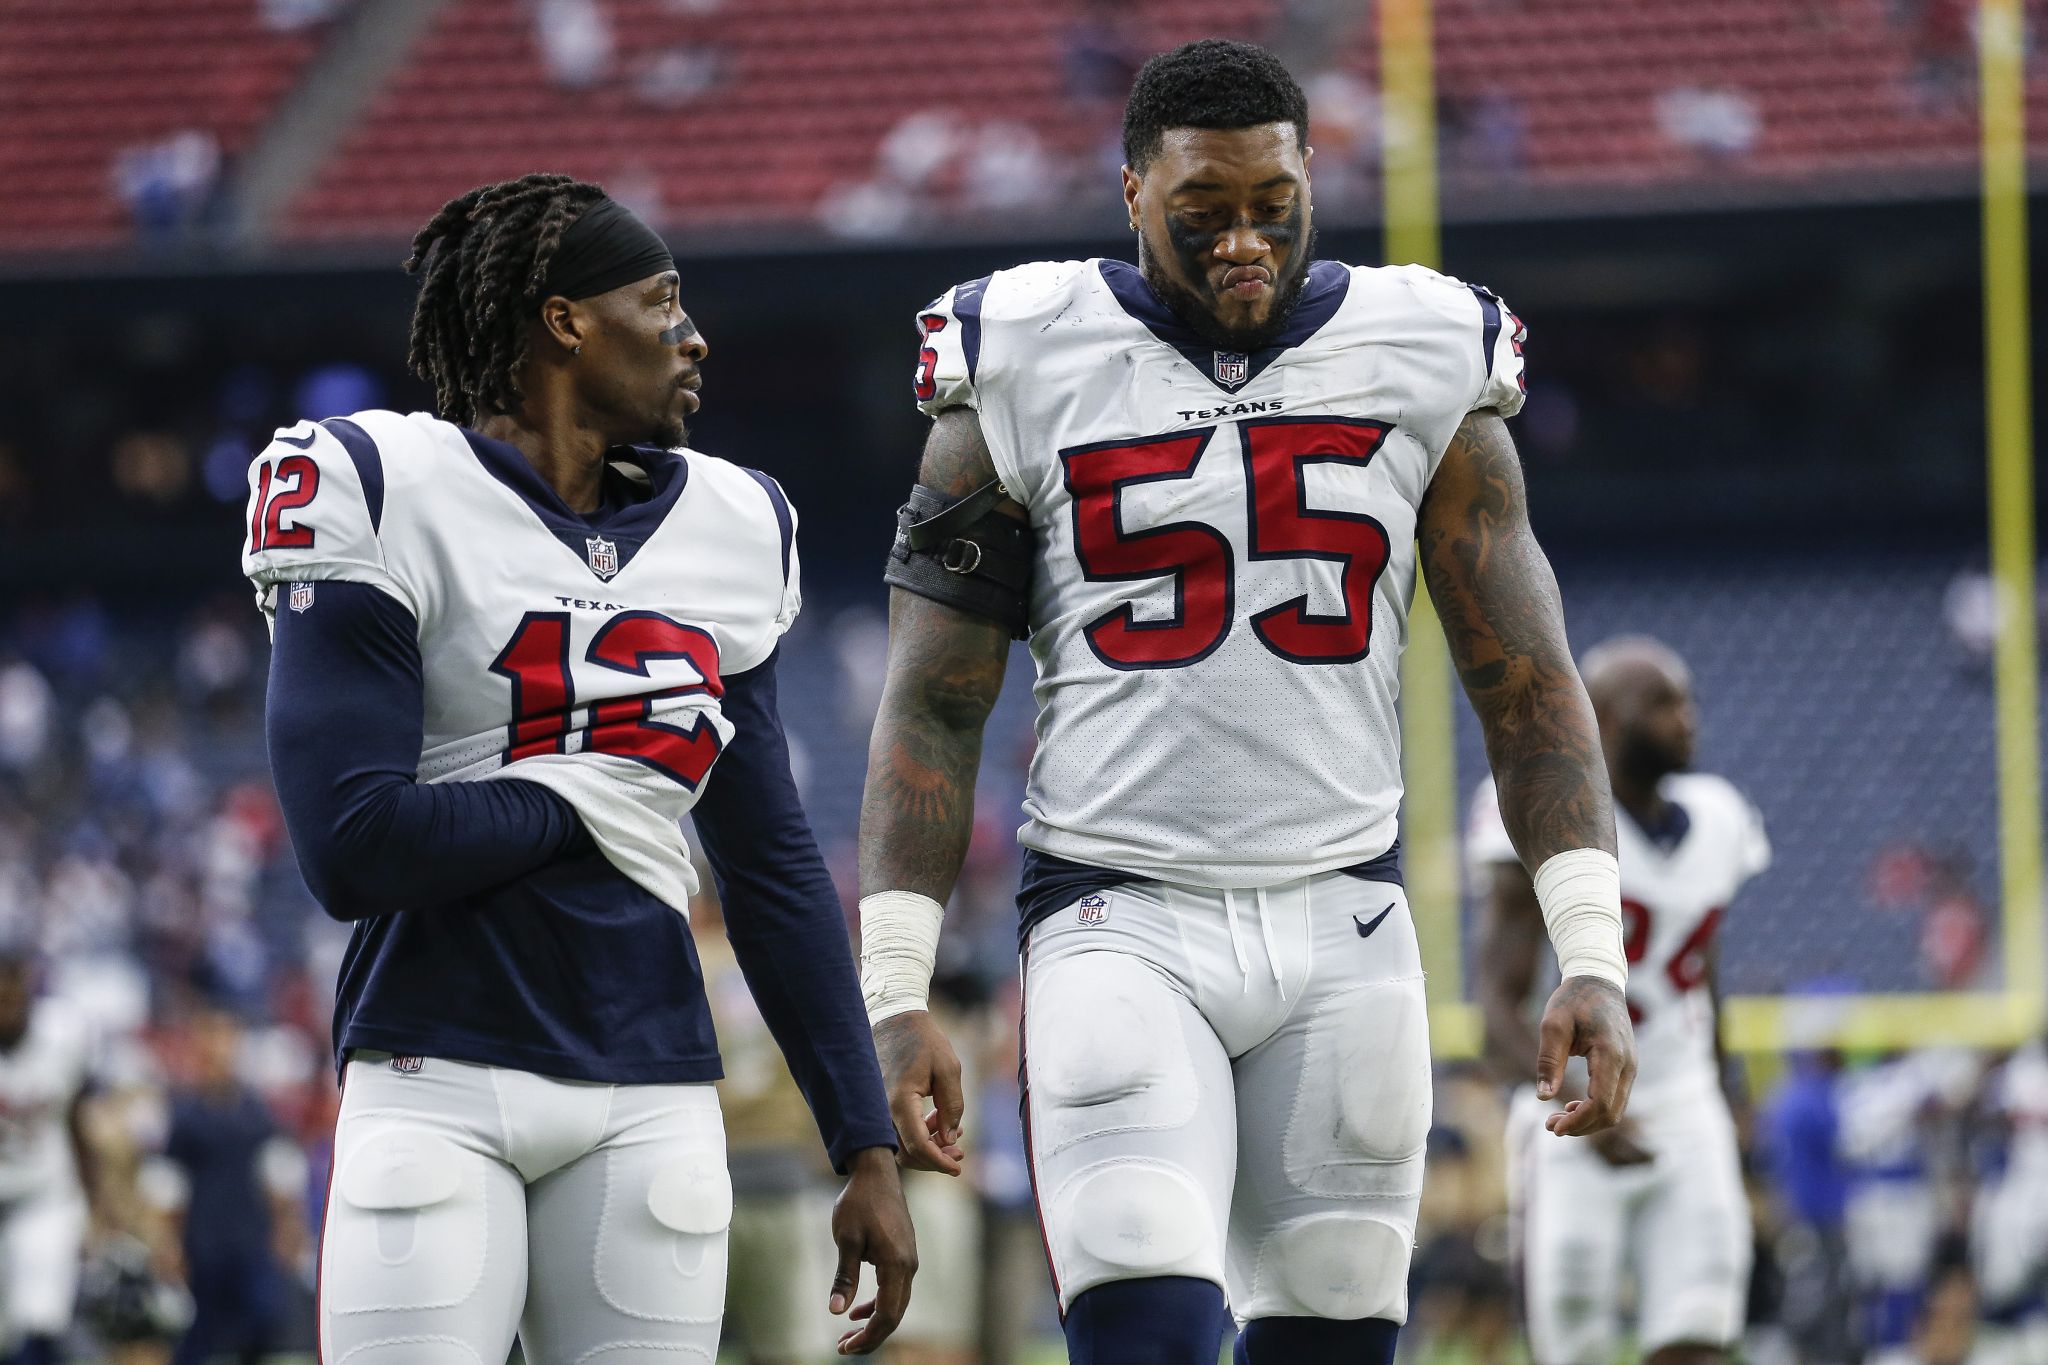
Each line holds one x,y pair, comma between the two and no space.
1209,83
481,262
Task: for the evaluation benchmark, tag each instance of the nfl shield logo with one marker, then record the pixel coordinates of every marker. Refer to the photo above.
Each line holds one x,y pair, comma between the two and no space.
1232,368
408,1066
302,596
1094,909
604,556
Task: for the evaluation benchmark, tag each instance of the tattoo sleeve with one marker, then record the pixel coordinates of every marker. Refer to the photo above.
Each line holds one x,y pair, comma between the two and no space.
1498,600
945,670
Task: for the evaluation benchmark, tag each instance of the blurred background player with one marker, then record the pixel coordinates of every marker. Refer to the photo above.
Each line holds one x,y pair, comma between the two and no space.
45,1053
240,1184
1210,539
2010,1216
507,655
1657,1199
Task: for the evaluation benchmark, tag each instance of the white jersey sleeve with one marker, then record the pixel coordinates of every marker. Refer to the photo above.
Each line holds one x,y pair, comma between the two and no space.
1495,379
1754,843
316,501
949,349
792,603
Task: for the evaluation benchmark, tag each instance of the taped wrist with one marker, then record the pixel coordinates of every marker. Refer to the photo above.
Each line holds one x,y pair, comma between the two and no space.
1580,892
965,554
899,944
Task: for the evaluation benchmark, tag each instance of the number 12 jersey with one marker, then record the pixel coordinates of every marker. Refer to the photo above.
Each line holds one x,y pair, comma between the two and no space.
1226,549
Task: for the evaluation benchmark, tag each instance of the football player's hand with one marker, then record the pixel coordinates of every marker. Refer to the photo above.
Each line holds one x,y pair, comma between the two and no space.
918,1065
1587,1017
1622,1145
870,1222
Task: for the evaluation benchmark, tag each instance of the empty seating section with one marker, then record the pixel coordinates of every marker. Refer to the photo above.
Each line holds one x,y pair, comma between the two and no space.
1827,90
737,116
743,115
82,81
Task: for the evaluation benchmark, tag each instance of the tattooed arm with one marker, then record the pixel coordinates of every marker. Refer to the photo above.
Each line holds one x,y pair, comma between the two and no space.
1498,600
945,669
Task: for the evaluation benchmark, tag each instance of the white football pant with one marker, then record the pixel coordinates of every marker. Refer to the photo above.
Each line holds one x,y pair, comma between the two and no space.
41,1239
1677,1227
1232,1086
472,1202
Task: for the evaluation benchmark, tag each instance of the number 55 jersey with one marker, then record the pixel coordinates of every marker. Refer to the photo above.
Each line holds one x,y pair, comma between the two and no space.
1226,550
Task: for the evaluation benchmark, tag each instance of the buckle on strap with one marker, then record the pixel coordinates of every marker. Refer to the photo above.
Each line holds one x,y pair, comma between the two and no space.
961,556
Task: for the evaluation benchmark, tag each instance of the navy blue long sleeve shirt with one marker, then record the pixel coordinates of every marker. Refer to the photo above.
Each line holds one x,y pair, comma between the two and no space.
489,929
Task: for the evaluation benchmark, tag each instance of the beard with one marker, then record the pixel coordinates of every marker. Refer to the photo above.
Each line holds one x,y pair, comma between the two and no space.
1197,313
669,433
1648,760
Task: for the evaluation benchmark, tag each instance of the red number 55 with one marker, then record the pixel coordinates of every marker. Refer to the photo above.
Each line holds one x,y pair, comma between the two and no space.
1276,451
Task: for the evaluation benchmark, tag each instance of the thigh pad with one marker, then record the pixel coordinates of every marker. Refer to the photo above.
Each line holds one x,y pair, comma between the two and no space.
1362,1106
1107,1052
409,1221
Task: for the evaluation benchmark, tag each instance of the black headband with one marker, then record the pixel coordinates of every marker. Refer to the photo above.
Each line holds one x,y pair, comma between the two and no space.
607,247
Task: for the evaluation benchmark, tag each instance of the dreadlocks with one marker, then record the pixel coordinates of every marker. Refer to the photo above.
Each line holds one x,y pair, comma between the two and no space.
481,261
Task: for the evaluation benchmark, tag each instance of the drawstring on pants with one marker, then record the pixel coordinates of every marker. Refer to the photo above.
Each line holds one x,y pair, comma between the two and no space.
1266,934
1244,966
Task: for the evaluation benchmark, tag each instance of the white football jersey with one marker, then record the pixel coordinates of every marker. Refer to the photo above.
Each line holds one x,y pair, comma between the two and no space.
39,1081
1673,896
538,635
1226,550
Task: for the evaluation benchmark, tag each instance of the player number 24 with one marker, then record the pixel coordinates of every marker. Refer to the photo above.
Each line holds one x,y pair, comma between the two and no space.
1276,451
1688,966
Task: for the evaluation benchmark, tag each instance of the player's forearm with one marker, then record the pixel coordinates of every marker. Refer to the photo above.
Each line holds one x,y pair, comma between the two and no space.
1541,739
1498,599
343,725
917,813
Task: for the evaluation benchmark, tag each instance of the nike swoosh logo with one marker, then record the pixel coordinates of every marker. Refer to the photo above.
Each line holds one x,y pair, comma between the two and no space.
306,444
1365,927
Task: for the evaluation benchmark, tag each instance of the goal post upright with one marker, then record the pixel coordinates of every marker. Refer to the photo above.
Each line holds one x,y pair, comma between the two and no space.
1429,750
2008,404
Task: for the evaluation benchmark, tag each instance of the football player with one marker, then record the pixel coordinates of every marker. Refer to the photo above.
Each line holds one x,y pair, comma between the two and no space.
44,1063
513,644
1658,1198
1196,483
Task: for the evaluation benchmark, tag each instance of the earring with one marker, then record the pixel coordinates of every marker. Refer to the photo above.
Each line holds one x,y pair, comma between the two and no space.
577,349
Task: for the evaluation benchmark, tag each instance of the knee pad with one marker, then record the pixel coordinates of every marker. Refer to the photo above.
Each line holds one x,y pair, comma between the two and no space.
1130,1219
408,1228
1361,1116
1337,1266
1107,1055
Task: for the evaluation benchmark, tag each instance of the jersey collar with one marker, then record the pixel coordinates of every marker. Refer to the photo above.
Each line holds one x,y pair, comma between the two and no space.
1670,832
1321,295
631,511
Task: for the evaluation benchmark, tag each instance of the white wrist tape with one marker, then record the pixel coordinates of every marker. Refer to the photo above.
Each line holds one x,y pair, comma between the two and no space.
1580,892
899,942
